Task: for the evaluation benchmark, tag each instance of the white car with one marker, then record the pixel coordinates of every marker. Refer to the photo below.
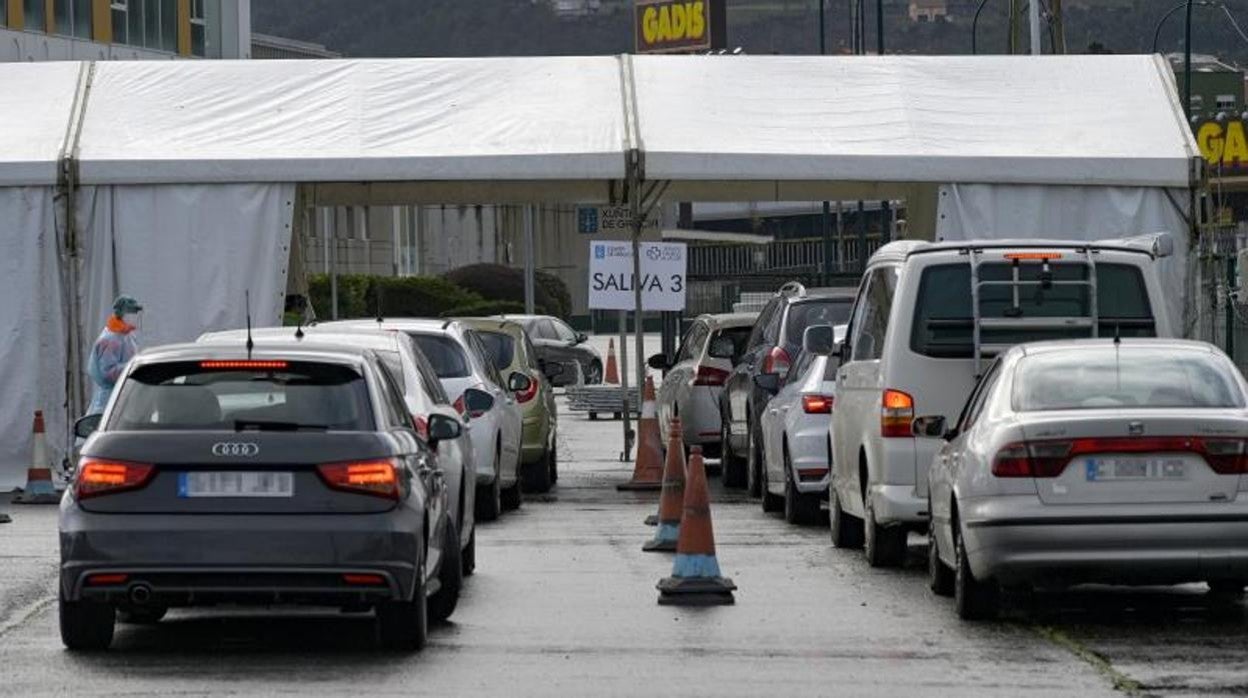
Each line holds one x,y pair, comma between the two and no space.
694,379
479,393
795,425
921,333
1092,461
423,395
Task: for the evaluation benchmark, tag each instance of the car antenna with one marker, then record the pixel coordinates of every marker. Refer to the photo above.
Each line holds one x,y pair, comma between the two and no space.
380,316
299,334
250,344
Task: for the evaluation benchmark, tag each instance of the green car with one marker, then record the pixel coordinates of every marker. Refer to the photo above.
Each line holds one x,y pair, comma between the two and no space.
511,350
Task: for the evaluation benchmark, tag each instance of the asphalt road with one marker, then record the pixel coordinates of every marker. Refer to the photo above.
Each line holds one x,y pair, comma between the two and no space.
564,603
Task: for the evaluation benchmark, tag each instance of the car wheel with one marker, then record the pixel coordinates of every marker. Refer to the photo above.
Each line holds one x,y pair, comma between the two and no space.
770,501
404,625
468,558
754,459
539,476
594,375
147,615
939,576
1230,588
450,578
799,508
86,625
512,497
974,599
885,545
489,497
731,466
846,528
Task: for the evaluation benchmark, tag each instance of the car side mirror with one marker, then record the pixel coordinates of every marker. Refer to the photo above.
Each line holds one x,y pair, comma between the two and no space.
768,381
658,362
930,427
517,382
86,426
581,338
443,428
477,402
721,348
819,340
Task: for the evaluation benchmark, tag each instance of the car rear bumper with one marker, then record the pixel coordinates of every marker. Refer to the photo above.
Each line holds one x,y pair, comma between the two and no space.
899,504
699,415
1016,540
808,453
193,559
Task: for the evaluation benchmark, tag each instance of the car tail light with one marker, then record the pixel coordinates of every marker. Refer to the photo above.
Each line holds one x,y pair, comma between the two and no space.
378,478
1226,456
367,580
709,375
243,365
1034,459
817,404
1050,458
524,396
97,477
421,425
777,361
106,580
896,414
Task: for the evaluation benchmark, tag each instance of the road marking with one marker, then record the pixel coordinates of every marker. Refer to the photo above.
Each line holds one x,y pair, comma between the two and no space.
26,614
1096,660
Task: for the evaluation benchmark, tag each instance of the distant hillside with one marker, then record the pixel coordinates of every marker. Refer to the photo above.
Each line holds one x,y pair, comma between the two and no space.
529,27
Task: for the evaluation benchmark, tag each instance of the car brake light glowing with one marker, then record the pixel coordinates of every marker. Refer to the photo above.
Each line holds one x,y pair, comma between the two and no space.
97,477
1047,459
364,579
524,396
896,414
378,478
243,365
104,580
709,375
777,361
1032,256
817,404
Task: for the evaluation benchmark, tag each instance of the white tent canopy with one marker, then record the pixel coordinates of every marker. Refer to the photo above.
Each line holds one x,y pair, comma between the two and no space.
179,181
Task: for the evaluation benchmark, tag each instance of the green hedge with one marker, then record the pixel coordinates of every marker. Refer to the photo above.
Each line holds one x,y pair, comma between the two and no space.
502,283
487,308
414,296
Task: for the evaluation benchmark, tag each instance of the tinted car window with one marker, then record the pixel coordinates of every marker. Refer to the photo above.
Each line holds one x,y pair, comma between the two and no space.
445,355
428,377
757,333
816,312
194,396
942,316
1136,377
871,316
545,329
739,337
396,408
394,364
691,347
530,353
563,332
501,348
486,364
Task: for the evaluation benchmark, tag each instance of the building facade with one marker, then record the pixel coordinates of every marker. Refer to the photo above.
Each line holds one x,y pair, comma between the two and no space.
57,30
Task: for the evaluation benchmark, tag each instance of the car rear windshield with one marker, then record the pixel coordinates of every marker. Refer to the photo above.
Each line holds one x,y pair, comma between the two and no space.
445,354
501,347
816,312
739,337
942,315
236,396
1134,377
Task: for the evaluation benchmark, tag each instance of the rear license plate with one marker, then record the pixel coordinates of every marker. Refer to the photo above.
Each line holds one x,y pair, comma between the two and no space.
236,484
1099,469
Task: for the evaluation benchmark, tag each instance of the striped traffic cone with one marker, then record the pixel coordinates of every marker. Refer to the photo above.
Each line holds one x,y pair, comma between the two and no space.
671,502
696,580
648,464
39,488
612,374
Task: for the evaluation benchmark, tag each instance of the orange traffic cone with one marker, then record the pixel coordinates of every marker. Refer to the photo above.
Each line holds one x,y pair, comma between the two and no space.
695,579
39,488
648,467
612,374
672,501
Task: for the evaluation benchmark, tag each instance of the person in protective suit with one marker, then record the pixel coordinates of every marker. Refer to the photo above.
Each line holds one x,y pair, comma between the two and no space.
115,346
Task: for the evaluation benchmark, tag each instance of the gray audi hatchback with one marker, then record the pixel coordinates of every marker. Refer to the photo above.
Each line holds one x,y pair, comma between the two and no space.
219,475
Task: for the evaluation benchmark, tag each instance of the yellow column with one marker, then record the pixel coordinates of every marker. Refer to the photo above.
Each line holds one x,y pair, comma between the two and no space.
184,27
101,21
17,14
49,16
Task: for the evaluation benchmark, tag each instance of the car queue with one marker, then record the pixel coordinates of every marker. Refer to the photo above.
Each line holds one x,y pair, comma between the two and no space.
1005,397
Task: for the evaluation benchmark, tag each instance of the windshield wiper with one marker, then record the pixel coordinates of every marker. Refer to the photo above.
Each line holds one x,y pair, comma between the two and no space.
257,425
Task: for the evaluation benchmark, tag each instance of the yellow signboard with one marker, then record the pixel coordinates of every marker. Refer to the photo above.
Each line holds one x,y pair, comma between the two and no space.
1223,145
672,25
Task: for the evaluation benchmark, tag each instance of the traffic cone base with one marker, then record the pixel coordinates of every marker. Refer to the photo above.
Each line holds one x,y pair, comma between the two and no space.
696,591
652,520
648,467
696,579
664,539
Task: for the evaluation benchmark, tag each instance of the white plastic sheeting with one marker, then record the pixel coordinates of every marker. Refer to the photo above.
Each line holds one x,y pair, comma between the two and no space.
35,104
32,329
354,120
995,212
1089,120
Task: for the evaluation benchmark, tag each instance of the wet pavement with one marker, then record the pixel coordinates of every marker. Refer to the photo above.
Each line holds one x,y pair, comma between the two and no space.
563,603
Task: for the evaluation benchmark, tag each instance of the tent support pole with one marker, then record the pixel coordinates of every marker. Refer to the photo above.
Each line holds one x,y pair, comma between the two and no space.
530,264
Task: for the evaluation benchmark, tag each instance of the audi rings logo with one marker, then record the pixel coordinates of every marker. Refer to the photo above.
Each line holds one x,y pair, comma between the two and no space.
228,449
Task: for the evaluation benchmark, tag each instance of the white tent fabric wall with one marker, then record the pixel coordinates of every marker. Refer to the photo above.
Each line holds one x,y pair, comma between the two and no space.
994,212
33,342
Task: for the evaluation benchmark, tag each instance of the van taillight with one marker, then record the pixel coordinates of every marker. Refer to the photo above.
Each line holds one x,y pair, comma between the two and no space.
709,375
896,414
378,478
99,477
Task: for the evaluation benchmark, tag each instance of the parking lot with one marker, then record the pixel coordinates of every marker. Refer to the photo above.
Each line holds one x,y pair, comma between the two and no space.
563,603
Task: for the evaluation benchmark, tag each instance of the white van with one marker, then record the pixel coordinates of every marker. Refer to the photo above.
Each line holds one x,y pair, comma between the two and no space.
927,319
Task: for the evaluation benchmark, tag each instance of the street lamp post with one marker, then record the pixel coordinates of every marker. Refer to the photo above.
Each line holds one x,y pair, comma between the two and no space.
1187,45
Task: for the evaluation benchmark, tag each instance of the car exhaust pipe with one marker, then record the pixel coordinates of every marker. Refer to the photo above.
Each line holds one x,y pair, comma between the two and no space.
140,594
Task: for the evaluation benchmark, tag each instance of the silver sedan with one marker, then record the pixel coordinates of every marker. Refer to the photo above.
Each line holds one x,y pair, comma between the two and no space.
1092,461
